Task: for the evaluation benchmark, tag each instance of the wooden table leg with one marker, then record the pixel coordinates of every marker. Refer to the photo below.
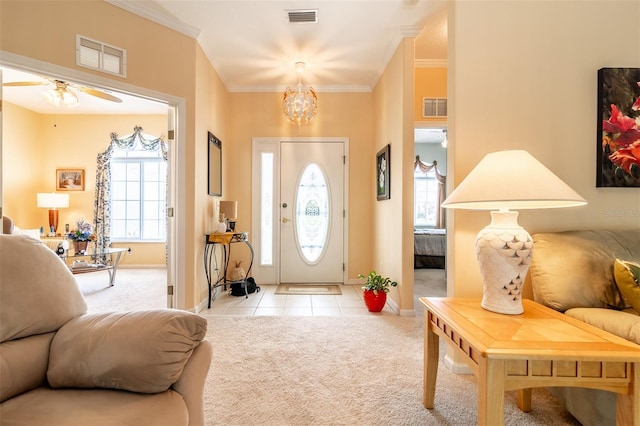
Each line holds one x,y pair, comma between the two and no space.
524,399
431,352
628,406
491,392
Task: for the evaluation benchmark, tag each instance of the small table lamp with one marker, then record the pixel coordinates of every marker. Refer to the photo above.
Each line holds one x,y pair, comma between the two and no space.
501,181
53,202
229,212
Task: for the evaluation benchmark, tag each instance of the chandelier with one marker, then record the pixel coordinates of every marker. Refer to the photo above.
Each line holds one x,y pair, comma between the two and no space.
61,95
299,106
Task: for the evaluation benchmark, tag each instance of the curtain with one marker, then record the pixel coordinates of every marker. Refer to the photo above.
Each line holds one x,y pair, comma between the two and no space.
102,203
442,180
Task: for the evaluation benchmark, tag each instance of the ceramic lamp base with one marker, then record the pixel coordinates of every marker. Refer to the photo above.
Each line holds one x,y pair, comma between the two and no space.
503,250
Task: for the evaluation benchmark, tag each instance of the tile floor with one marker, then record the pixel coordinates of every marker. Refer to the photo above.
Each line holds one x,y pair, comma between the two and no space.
266,302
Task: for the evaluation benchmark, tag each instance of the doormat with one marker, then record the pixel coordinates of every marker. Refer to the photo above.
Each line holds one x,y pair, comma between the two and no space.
308,289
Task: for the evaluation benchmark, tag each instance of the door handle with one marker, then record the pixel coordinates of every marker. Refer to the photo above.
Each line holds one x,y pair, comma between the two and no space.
286,220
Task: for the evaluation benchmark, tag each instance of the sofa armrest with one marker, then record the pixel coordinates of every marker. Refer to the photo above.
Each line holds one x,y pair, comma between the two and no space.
191,383
139,351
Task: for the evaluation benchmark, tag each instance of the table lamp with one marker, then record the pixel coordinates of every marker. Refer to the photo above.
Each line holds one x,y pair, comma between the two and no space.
502,181
229,213
53,202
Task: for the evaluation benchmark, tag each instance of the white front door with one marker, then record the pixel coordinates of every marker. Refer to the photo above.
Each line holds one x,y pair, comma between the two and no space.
311,212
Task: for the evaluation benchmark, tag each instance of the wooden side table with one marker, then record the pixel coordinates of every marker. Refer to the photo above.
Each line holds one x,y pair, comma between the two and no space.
540,347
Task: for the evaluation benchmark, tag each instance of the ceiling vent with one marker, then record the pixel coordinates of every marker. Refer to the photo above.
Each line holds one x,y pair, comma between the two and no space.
302,16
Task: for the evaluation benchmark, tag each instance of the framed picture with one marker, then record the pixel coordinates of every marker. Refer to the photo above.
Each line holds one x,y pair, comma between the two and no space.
618,139
69,179
383,176
214,183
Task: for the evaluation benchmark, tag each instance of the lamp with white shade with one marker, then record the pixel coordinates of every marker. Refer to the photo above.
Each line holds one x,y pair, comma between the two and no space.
502,181
53,202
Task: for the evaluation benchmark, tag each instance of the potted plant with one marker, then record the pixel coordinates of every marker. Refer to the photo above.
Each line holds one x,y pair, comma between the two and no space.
81,236
375,289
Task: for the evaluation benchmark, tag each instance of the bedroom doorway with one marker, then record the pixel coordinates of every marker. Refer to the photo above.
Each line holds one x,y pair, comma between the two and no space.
430,170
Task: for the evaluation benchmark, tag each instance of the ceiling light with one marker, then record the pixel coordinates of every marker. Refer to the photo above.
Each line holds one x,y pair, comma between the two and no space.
61,95
300,105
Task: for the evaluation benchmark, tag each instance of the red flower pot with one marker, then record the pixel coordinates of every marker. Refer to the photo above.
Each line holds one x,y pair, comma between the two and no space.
375,302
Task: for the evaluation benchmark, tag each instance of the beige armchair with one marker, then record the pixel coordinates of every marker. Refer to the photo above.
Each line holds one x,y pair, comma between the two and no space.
62,366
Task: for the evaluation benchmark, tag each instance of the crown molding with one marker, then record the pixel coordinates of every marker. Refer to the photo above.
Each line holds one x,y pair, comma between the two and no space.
317,89
431,63
139,8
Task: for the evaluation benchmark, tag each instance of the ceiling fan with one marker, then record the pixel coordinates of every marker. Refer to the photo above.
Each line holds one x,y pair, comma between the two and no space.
61,94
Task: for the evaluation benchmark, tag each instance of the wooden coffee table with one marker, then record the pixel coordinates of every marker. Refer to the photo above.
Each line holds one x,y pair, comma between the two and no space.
540,347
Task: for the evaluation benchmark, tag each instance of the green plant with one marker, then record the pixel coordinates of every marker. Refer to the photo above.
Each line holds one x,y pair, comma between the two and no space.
376,282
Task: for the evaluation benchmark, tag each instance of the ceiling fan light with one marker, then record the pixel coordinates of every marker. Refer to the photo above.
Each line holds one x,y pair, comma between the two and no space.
69,99
61,96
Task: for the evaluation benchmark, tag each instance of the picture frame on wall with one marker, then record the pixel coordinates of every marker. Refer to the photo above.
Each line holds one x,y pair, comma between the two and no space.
618,137
214,152
69,179
383,173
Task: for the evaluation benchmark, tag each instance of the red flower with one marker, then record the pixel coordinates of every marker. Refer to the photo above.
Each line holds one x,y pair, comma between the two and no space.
628,159
636,104
625,126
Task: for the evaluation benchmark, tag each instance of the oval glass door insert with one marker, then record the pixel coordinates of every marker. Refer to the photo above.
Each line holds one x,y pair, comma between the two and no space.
312,213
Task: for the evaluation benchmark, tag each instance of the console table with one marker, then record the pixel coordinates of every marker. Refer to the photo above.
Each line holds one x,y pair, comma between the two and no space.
540,347
223,240
97,267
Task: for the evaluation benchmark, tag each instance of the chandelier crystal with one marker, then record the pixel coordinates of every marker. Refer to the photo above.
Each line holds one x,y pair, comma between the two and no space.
299,106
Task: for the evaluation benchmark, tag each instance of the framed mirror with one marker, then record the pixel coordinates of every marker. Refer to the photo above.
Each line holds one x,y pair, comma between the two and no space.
215,165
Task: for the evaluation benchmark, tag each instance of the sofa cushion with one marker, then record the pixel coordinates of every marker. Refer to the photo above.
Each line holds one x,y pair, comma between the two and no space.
574,269
143,351
23,364
627,276
625,324
74,407
38,293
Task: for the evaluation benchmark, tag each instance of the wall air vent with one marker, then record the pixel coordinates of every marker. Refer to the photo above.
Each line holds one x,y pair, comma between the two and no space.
302,16
99,56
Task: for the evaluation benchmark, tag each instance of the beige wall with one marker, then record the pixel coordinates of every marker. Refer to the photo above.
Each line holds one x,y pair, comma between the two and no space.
393,218
46,142
523,75
429,83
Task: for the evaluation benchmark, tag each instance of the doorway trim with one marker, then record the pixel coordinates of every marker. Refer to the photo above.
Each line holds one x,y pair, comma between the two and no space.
176,265
270,274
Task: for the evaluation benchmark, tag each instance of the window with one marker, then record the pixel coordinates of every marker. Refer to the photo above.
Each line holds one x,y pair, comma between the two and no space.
425,199
138,196
434,107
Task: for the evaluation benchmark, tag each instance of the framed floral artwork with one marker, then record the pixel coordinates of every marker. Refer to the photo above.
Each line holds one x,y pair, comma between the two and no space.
383,175
618,155
69,179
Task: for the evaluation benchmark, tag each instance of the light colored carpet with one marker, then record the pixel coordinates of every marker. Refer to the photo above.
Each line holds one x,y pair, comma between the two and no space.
312,289
134,290
340,371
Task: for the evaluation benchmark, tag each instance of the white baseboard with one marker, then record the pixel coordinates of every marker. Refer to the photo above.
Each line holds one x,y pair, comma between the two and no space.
133,266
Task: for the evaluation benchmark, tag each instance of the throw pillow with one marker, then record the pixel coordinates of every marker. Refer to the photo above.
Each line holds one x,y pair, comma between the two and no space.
627,275
140,351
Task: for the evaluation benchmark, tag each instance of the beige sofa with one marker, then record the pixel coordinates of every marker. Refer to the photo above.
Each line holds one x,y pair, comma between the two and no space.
62,366
573,272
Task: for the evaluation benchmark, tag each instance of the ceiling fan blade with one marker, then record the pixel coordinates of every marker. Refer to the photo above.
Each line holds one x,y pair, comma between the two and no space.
27,83
99,94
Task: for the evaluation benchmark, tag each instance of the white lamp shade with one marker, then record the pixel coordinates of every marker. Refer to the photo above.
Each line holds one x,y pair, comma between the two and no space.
53,201
229,209
512,180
